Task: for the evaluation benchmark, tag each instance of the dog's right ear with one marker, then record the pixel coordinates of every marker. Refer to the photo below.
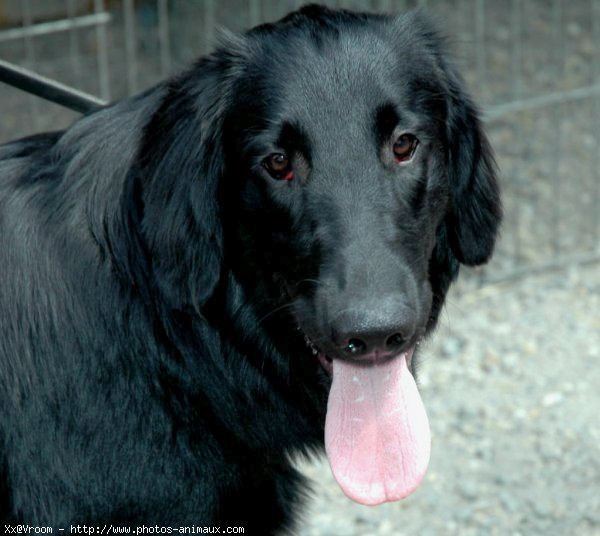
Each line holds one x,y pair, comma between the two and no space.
171,198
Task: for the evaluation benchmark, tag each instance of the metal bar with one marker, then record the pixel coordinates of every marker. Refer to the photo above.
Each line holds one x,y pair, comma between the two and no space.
494,113
555,264
555,157
102,53
34,110
48,89
517,93
55,26
27,36
130,60
164,40
74,44
254,7
209,25
480,43
595,7
385,6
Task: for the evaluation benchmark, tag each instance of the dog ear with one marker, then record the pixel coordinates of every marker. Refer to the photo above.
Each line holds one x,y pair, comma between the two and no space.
181,165
170,209
475,211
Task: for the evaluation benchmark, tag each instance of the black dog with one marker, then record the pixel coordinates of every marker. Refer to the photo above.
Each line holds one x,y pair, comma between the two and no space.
184,271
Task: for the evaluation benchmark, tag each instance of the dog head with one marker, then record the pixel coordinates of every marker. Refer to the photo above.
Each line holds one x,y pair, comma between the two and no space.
361,174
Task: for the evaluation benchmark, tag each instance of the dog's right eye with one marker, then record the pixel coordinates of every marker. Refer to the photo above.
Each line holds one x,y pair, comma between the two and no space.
278,165
405,147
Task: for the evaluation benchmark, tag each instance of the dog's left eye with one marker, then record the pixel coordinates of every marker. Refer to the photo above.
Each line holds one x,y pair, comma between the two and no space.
405,147
279,166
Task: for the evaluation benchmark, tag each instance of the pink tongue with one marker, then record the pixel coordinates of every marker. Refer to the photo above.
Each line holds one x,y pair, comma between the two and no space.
376,430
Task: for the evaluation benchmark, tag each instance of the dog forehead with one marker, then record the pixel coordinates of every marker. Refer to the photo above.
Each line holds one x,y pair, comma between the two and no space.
350,67
342,80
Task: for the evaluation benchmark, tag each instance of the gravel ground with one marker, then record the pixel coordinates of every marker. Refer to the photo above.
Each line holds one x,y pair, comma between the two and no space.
512,387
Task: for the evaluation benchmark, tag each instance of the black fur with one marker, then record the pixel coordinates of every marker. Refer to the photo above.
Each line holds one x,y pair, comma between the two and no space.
157,283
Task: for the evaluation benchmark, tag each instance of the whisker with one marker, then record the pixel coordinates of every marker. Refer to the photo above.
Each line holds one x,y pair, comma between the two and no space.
276,310
314,282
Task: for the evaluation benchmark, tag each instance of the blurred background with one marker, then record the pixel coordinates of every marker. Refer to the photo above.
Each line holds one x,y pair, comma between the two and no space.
511,379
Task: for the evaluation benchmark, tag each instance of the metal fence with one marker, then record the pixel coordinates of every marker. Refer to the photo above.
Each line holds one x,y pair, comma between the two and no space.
533,64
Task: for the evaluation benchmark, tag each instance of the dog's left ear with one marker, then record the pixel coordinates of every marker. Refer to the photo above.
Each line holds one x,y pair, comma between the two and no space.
475,210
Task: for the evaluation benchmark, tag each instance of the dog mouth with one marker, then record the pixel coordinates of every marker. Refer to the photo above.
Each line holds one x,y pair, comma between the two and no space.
324,360
377,436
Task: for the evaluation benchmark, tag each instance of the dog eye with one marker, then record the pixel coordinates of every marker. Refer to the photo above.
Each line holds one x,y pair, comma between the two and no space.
279,166
404,147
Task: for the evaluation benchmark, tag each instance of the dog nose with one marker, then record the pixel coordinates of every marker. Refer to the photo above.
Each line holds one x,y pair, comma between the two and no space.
382,327
392,339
